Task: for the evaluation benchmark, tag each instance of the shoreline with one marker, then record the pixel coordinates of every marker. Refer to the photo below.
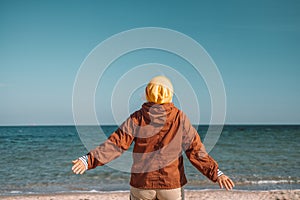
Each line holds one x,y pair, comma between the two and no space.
189,194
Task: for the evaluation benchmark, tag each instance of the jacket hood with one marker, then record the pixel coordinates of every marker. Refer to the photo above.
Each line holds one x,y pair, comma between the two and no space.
157,114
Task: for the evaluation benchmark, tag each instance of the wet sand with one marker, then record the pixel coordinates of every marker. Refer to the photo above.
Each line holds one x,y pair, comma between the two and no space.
189,194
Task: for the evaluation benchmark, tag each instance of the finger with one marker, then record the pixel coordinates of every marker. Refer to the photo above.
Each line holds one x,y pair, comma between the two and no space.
229,186
74,161
78,169
220,184
82,171
231,182
77,164
75,168
225,185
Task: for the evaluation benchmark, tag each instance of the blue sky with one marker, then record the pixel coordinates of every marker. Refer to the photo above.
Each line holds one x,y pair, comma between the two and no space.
255,44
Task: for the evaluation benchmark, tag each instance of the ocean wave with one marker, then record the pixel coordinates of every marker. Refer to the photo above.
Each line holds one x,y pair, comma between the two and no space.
15,192
116,191
266,182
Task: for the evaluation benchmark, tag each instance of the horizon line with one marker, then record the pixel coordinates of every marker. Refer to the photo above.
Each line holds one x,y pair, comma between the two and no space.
204,124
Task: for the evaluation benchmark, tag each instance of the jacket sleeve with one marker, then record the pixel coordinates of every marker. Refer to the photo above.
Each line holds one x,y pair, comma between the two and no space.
196,153
113,147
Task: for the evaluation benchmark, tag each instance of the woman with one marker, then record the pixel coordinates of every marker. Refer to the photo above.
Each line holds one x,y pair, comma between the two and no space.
160,133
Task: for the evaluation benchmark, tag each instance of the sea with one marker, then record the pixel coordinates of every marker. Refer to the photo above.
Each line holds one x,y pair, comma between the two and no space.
38,159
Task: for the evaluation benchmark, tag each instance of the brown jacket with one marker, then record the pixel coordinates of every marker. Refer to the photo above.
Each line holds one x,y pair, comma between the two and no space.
160,133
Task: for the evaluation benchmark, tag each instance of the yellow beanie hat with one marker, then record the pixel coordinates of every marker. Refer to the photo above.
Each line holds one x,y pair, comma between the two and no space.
159,90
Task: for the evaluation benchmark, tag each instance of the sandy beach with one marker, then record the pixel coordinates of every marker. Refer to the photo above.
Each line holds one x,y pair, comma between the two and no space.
203,194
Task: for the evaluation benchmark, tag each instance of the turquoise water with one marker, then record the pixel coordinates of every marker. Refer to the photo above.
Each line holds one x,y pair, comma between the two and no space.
38,160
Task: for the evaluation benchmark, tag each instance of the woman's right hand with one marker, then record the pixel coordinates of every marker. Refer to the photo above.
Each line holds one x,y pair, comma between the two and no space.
78,167
225,181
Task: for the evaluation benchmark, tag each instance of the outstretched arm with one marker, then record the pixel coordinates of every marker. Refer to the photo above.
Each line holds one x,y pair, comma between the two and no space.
196,153
112,148
207,165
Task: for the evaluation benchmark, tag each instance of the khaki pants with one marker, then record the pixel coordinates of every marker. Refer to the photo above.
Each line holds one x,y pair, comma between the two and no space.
160,194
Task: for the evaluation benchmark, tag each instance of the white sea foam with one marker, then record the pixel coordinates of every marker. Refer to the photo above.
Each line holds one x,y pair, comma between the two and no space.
15,192
263,182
